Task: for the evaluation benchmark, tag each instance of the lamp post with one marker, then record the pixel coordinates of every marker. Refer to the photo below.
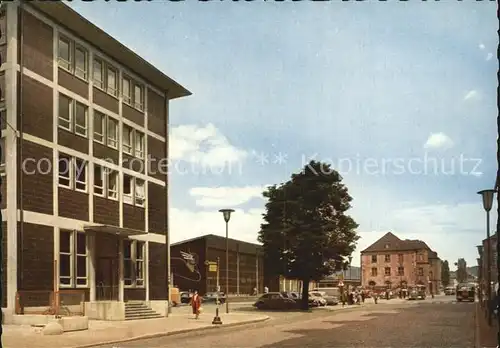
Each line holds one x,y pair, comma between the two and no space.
226,213
350,269
487,196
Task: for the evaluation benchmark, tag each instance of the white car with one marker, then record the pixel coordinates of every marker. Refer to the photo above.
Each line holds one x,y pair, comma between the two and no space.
320,300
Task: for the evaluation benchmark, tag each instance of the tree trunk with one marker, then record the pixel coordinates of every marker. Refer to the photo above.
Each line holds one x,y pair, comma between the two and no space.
305,295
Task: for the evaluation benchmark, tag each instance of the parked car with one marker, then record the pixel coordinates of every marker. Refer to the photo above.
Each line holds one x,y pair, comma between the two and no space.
449,291
318,298
275,300
466,292
417,293
328,299
185,297
211,297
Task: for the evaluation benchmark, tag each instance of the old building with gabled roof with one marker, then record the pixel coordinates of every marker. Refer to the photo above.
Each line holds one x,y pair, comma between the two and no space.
399,263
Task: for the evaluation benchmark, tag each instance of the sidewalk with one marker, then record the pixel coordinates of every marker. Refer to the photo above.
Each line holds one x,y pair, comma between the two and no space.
486,336
109,332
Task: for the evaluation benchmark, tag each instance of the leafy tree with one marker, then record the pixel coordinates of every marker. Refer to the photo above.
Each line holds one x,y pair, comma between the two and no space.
461,270
306,233
445,273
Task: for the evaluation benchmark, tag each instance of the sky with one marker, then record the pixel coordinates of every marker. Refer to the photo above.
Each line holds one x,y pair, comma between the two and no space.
400,97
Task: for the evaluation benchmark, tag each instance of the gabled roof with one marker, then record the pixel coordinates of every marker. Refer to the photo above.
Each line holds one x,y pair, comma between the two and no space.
390,242
213,237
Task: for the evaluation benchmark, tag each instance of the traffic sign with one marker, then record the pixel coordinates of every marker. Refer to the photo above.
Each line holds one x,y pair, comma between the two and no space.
341,283
212,268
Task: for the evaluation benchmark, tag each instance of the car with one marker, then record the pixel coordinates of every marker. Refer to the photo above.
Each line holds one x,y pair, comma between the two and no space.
275,300
417,293
185,297
316,296
214,296
465,292
328,299
449,291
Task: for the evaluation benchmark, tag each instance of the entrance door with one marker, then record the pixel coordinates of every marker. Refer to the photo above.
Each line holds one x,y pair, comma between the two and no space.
107,285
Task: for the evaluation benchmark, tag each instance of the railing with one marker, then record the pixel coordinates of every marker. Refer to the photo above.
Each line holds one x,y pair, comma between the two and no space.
62,302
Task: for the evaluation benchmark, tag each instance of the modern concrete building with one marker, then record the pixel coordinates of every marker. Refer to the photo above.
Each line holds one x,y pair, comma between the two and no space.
393,262
85,126
190,269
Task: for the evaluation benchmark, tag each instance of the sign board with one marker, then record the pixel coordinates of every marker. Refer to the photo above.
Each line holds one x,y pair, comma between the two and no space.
212,268
341,283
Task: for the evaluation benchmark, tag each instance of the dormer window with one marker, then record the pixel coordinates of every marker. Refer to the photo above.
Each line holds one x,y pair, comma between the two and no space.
387,246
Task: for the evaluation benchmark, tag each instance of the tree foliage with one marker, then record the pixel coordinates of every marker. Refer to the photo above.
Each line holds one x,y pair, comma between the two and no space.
461,270
445,273
306,232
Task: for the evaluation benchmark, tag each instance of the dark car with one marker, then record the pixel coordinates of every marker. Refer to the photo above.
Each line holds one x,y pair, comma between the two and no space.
466,292
275,300
212,297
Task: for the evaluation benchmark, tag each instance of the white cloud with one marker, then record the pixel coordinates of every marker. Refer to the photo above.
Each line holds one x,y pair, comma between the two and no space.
206,146
489,56
225,196
482,47
472,94
438,140
185,224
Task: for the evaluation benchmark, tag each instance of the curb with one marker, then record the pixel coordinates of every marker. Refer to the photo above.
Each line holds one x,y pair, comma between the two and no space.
172,333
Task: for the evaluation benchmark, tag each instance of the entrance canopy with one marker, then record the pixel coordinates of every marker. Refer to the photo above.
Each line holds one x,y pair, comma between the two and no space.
120,231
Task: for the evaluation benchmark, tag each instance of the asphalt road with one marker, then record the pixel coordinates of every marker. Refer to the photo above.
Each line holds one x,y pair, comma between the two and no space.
424,324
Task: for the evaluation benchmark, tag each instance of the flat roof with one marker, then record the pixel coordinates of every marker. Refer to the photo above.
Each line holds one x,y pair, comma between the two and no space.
69,18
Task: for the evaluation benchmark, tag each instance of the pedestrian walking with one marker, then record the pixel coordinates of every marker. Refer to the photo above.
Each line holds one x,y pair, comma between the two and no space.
196,304
266,289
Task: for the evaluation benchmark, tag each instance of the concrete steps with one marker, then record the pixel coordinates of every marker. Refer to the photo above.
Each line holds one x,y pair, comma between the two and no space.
138,310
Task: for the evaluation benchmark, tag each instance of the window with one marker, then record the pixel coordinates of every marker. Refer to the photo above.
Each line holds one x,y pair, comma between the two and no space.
133,190
139,144
387,246
80,168
81,68
64,170
72,58
98,180
65,112
126,92
128,189
80,119
98,74
72,115
138,97
400,258
374,258
374,272
420,257
420,271
112,183
401,271
2,155
139,192
99,127
73,259
112,134
387,271
112,82
127,141
133,263
387,258
64,59
72,172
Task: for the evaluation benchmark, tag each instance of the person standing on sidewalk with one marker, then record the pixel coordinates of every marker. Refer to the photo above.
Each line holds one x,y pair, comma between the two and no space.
196,304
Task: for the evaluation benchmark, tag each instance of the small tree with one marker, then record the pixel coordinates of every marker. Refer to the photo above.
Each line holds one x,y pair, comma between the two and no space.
445,273
306,233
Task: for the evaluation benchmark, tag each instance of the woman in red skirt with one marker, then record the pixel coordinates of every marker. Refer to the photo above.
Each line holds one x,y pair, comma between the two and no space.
196,304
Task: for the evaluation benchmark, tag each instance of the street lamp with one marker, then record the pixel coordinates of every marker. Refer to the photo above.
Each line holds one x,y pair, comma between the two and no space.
226,213
350,269
487,196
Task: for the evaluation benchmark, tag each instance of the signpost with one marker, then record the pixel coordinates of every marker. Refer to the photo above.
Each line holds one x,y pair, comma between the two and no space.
214,267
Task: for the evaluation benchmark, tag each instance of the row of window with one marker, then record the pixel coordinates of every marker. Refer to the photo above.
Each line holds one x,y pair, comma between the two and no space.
73,117
73,260
387,258
75,59
399,272
73,174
